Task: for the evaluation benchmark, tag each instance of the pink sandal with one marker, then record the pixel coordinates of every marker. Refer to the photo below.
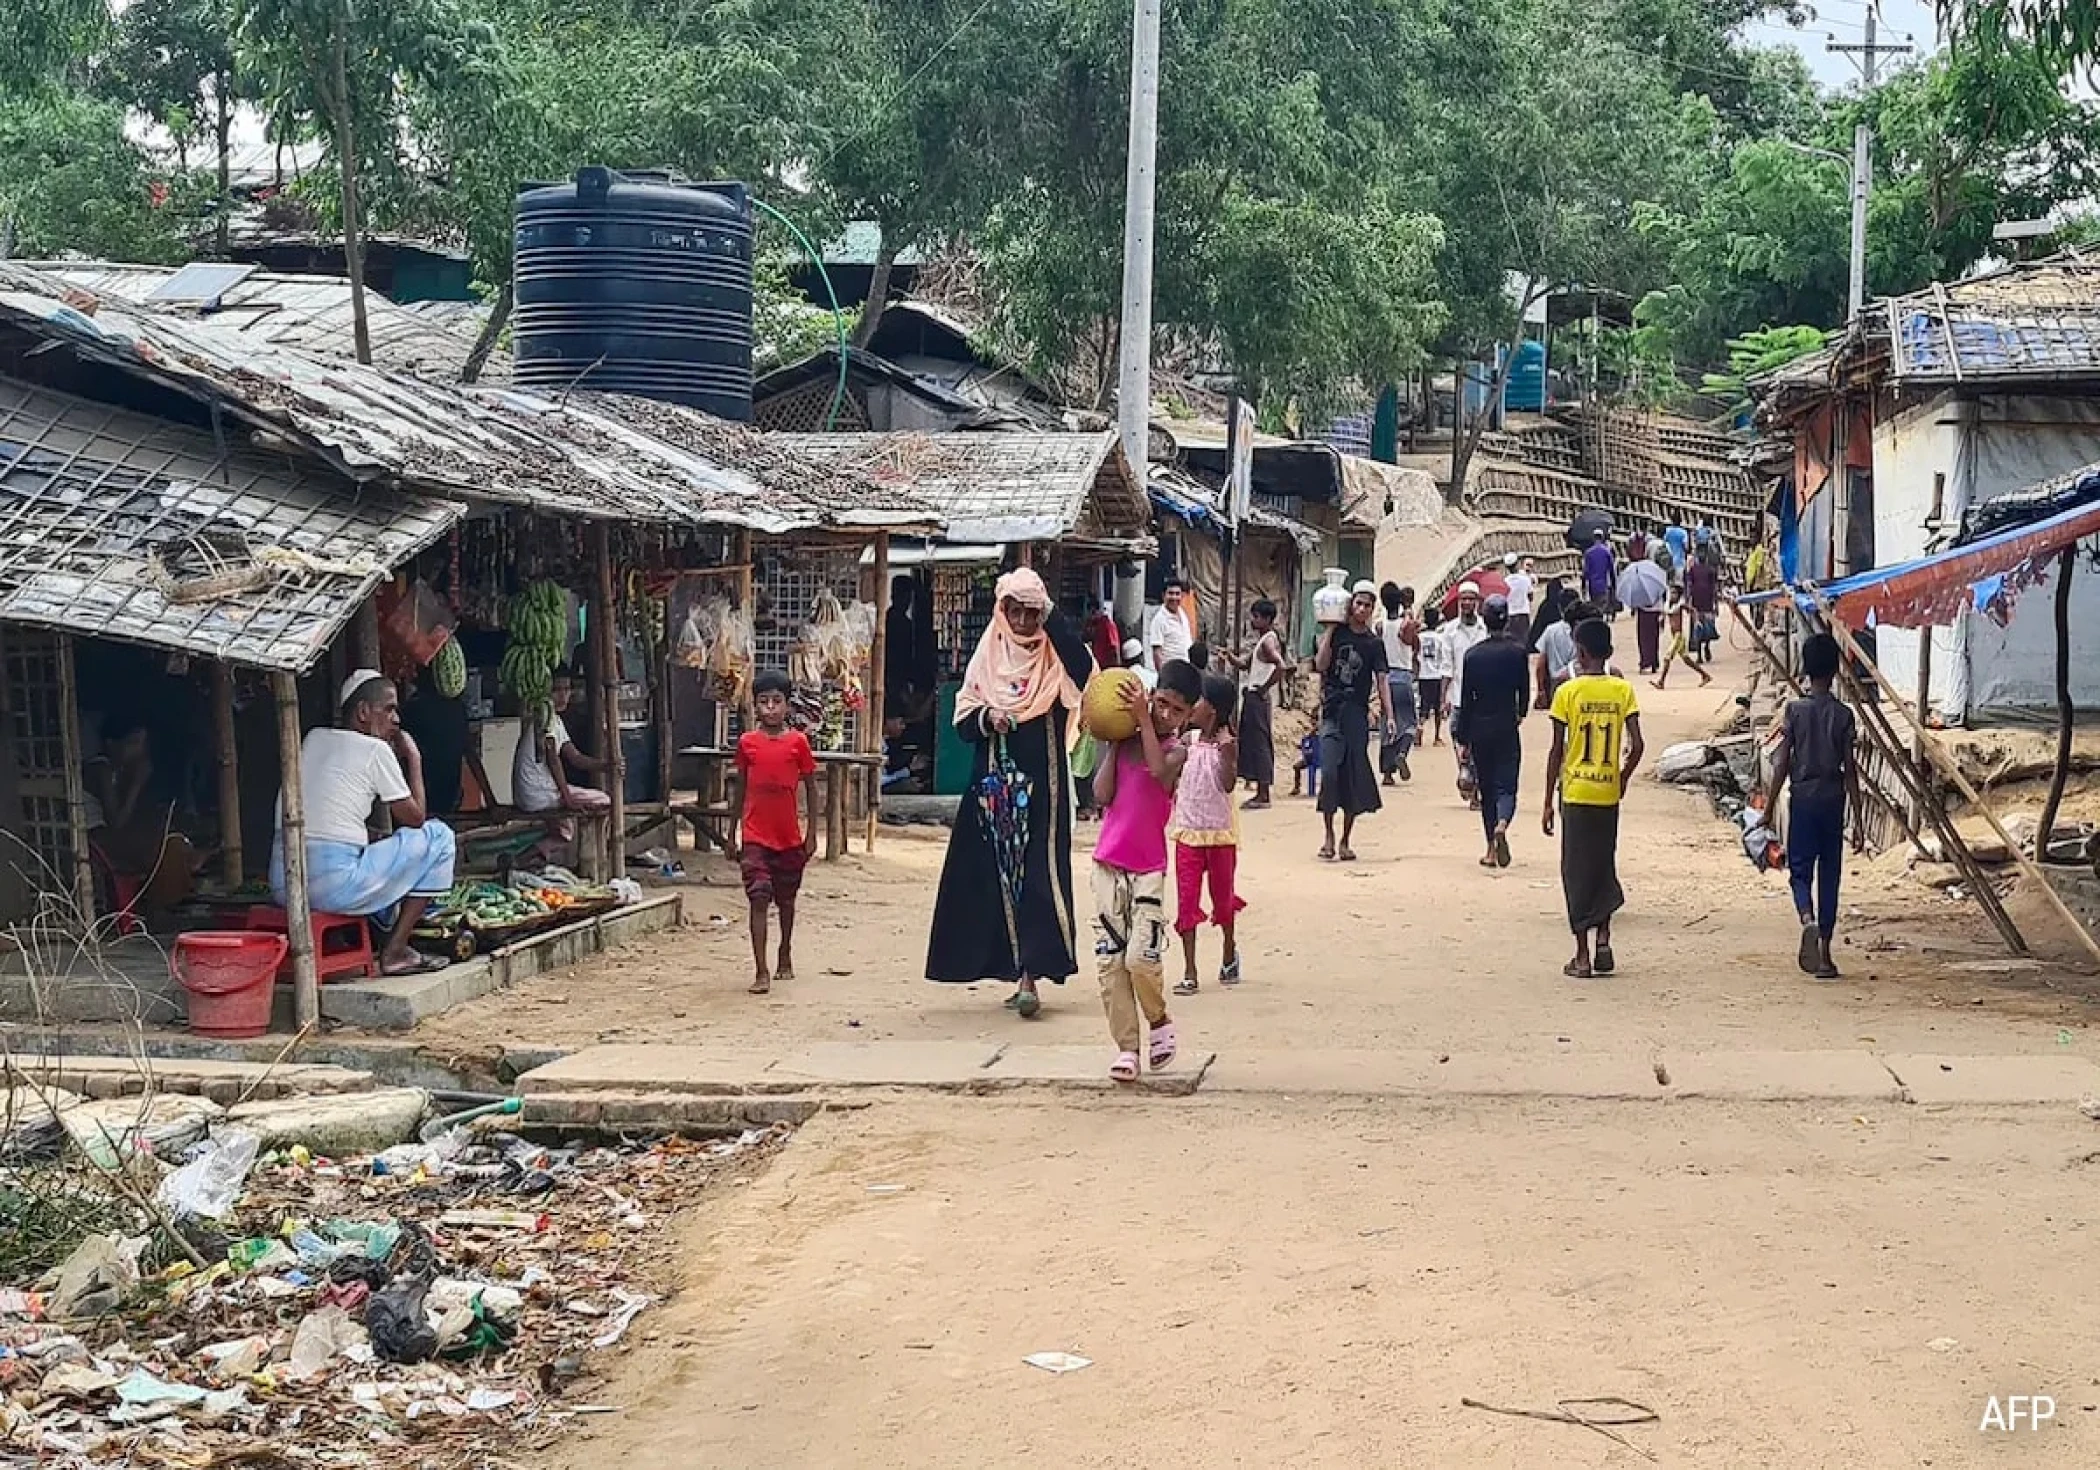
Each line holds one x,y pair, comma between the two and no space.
1125,1067
1163,1046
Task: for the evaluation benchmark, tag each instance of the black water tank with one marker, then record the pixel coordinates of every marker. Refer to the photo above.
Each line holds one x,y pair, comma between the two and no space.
635,283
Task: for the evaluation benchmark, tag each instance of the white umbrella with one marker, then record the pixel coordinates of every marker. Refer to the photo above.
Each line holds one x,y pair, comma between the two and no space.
1643,587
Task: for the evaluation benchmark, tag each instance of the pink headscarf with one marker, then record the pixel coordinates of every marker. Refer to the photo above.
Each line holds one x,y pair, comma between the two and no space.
1009,675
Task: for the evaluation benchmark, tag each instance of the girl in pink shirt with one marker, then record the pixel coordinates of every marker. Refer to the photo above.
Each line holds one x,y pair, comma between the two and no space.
1134,787
1206,831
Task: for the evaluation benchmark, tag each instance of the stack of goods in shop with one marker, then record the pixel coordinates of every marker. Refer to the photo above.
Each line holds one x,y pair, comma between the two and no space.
827,667
717,641
538,639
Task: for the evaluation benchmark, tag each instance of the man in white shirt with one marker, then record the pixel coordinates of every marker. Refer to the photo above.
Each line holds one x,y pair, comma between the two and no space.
1522,578
1169,637
1461,636
369,761
1134,660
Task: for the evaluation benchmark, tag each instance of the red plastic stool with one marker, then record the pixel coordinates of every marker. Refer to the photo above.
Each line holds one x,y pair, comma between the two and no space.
342,943
125,889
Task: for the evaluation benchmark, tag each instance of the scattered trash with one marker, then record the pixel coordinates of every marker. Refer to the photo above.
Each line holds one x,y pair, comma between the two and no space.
1606,1416
888,1188
1943,1344
2090,1106
231,1300
1058,1362
208,1187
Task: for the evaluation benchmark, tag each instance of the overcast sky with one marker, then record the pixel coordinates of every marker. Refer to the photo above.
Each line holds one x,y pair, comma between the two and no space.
1845,20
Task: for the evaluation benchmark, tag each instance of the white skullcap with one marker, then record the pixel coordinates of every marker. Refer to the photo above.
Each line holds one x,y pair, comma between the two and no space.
1469,589
1365,586
357,680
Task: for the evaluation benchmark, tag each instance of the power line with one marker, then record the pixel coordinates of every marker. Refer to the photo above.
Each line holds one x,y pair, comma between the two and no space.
875,114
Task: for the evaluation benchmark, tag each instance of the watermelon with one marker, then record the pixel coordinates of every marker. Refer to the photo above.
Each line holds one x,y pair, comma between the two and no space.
449,669
1101,709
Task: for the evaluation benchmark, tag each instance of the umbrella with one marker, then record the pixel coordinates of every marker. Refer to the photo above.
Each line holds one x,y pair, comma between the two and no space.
1642,586
1584,528
1489,580
1003,794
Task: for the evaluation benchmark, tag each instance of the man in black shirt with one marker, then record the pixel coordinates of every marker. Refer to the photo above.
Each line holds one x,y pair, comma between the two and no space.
1815,749
1496,694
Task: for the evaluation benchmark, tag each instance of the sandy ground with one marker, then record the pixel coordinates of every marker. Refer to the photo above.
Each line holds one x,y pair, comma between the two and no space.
1263,1283
1412,946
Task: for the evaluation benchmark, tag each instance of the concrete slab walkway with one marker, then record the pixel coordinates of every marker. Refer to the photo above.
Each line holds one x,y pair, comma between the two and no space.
635,1072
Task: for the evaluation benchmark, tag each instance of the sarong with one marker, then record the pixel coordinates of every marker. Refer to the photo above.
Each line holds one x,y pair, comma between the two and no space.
1589,865
343,878
1347,783
1257,738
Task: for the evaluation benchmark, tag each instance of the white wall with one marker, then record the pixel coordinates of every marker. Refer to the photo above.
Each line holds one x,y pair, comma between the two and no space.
1909,448
2014,443
1988,448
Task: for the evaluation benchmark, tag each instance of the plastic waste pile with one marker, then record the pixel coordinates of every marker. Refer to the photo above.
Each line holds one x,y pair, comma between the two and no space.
449,1298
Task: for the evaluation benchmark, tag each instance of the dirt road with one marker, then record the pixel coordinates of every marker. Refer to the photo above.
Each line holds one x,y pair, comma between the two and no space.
1262,1280
1413,946
1266,1283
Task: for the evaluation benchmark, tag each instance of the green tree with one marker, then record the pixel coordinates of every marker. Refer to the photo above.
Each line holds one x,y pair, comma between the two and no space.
71,182
347,69
173,61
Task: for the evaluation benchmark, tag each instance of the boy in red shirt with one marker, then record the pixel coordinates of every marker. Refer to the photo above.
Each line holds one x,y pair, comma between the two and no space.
773,761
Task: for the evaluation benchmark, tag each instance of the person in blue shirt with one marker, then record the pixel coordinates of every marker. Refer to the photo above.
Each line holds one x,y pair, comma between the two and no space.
1680,547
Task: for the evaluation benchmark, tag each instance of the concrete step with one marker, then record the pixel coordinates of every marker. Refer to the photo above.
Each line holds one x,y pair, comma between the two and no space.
223,1082
942,1066
615,1111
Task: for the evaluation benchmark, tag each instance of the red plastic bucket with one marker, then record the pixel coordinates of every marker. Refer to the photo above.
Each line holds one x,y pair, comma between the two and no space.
231,979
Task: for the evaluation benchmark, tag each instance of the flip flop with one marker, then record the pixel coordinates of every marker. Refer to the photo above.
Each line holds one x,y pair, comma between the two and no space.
1606,961
763,985
1028,1005
1164,1044
1577,972
1327,854
1827,972
1345,855
1185,987
1810,957
1125,1067
1229,974
1501,849
419,964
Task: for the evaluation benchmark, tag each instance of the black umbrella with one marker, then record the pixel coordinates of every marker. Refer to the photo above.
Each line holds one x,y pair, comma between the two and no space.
1584,528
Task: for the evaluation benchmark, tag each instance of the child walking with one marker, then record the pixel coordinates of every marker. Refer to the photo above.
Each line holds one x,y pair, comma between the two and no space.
1432,668
1135,790
1597,746
773,760
1206,831
1815,750
1674,611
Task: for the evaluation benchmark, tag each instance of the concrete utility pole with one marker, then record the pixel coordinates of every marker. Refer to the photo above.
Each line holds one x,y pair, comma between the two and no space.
1134,386
1867,53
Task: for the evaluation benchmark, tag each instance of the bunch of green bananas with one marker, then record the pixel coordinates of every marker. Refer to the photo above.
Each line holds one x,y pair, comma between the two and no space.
538,639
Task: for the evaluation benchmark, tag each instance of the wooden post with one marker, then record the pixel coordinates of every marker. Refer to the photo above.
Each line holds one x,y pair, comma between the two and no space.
604,635
364,635
231,863
1917,750
1951,771
747,603
878,678
76,790
298,908
2065,565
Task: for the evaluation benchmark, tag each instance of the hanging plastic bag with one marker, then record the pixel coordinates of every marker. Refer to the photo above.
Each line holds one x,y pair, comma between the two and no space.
696,638
414,623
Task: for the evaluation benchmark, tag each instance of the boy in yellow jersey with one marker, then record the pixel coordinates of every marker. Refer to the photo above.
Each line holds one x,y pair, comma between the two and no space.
1596,747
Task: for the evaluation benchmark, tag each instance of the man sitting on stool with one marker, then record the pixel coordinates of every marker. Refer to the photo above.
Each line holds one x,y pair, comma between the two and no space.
344,772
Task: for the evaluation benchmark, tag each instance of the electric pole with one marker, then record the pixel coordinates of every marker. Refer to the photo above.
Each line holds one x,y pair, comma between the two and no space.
1134,385
1867,54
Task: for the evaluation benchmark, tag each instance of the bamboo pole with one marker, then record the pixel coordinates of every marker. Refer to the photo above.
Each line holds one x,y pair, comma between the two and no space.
2065,712
1951,771
878,679
1917,750
747,604
604,636
231,859
76,789
298,907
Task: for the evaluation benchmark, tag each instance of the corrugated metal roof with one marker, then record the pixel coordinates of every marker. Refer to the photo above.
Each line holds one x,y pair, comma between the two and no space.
120,525
578,457
1001,487
309,314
